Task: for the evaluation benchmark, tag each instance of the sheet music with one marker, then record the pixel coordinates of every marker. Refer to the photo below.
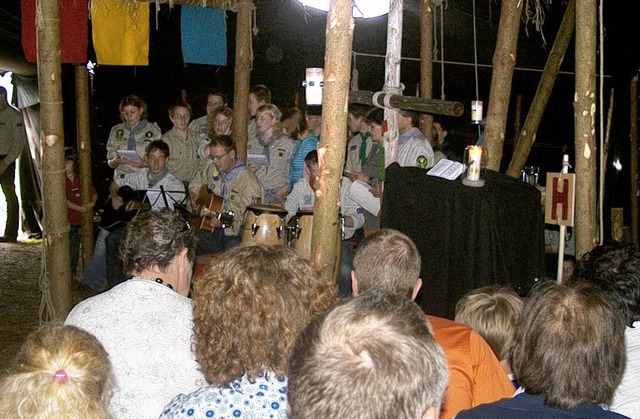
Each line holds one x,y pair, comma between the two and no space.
447,169
131,155
257,159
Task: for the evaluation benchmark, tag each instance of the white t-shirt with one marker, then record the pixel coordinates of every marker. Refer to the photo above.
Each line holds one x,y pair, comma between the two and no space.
626,400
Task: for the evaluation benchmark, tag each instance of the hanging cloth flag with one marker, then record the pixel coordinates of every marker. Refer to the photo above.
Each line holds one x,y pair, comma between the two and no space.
120,32
73,31
204,35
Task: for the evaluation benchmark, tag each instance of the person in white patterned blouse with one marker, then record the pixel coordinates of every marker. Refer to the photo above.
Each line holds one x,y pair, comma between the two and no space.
145,323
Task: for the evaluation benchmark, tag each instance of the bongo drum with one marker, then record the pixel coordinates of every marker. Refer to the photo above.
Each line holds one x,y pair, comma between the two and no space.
264,224
303,228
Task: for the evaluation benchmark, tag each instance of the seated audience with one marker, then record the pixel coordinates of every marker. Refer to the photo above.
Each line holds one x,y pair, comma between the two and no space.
568,354
248,309
183,143
616,270
275,149
60,372
493,311
291,118
369,357
238,186
414,149
389,260
313,117
302,197
145,323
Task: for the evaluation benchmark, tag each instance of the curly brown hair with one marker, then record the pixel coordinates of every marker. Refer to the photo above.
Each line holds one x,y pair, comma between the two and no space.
250,306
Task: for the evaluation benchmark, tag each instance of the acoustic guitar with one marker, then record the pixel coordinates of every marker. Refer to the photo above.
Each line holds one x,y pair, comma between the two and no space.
208,207
113,219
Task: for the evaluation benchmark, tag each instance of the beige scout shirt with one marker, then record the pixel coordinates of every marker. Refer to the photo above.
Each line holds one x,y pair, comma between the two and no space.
244,189
353,153
119,139
184,162
12,134
276,173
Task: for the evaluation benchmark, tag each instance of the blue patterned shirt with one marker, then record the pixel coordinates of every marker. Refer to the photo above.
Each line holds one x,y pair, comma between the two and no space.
303,147
264,398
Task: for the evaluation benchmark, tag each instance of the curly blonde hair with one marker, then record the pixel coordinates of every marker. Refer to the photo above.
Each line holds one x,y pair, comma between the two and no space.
60,372
249,308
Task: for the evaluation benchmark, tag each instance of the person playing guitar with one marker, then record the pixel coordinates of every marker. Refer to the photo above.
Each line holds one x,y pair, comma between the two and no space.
238,187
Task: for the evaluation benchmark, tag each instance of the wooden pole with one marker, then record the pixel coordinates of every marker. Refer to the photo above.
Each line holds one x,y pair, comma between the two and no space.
242,77
392,78
426,62
517,123
56,224
333,138
419,104
504,61
635,178
526,137
84,154
603,168
585,117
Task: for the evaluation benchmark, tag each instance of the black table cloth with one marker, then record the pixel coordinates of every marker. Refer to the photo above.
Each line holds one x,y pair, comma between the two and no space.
468,237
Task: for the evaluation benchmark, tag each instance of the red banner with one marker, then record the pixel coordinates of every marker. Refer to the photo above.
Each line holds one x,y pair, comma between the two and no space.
74,22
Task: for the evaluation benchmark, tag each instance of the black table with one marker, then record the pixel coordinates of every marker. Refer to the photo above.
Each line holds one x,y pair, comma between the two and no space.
468,237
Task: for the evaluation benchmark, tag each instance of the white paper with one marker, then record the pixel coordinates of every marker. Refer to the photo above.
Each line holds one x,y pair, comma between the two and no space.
157,201
447,169
361,194
131,155
257,159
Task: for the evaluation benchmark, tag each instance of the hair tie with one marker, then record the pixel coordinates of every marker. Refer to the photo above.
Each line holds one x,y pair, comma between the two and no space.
60,375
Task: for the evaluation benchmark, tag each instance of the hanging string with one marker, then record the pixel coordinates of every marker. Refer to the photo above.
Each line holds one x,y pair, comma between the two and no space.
475,62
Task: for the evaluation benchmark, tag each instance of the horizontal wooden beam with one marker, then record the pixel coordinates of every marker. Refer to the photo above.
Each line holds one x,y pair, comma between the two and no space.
412,103
216,4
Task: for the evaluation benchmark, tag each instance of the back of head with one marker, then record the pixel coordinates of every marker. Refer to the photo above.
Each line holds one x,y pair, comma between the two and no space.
569,345
493,312
250,306
387,260
615,268
155,238
372,356
60,372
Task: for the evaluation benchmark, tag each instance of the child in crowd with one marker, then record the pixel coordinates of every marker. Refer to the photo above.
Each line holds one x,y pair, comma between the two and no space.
60,372
493,312
75,206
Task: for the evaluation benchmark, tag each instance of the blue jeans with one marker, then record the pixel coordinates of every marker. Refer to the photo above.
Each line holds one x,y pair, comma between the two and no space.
96,271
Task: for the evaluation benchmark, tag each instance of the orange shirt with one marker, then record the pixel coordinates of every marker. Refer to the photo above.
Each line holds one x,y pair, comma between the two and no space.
475,374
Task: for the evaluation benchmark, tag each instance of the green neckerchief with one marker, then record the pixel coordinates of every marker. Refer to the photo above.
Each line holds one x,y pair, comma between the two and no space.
362,156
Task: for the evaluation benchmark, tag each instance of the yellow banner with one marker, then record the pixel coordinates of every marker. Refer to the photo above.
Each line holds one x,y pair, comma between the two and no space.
120,32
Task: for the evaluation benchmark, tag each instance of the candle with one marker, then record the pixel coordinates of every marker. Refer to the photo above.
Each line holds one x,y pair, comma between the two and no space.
475,159
314,79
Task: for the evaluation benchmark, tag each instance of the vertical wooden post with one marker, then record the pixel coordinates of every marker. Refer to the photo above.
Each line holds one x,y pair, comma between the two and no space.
517,123
504,61
585,117
426,62
617,224
52,137
242,77
633,135
84,154
392,78
333,138
526,137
